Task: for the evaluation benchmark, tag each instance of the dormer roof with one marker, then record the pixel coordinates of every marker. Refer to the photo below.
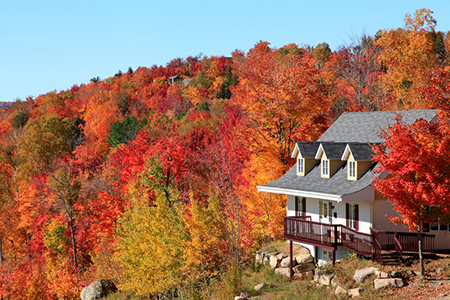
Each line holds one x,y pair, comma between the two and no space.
331,150
359,151
306,149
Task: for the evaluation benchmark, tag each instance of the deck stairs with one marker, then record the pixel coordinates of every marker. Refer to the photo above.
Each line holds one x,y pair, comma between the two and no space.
390,258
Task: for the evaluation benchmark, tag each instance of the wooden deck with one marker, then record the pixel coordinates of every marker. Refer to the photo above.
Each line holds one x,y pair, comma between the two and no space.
303,230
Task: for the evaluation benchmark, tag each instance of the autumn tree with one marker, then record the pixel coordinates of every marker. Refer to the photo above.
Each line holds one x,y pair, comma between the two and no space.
279,91
407,54
416,159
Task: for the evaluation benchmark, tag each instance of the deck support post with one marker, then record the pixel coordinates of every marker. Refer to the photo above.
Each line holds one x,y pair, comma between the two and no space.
291,272
334,256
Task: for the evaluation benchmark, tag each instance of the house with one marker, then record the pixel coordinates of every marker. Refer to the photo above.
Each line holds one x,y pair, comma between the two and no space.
332,208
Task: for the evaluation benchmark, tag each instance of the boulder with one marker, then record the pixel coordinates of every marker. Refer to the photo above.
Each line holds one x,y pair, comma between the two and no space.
387,283
286,261
304,258
334,282
242,296
340,290
259,258
361,274
396,274
98,289
325,279
282,271
304,268
381,274
259,286
304,276
355,292
274,261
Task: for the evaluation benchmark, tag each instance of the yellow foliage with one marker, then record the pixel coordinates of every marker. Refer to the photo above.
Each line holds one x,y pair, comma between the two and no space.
195,96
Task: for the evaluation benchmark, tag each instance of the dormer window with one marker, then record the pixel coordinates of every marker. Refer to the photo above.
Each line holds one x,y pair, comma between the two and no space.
352,169
300,165
325,167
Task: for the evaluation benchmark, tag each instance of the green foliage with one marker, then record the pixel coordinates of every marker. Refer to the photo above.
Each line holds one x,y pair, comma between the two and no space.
230,80
55,238
19,120
204,106
125,131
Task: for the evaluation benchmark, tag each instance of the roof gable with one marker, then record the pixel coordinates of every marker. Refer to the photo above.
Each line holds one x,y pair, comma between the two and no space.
306,149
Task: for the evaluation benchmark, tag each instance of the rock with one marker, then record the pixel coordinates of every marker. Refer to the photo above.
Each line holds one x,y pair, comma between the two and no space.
387,283
334,282
303,276
361,274
381,274
98,289
259,258
243,296
259,287
304,258
340,290
325,279
304,268
286,261
396,274
355,292
274,261
282,271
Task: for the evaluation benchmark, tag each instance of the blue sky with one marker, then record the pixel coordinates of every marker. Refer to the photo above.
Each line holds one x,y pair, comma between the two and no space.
52,45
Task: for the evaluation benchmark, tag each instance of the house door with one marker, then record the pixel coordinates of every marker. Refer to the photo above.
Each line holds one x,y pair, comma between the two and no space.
326,212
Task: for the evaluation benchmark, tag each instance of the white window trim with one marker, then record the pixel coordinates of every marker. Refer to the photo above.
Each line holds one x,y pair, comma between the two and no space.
352,216
325,167
352,169
301,165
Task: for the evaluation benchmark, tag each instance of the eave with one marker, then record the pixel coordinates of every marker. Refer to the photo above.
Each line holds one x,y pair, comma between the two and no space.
299,193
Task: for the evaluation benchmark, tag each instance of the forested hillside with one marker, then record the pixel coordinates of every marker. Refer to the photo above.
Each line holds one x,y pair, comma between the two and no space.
152,183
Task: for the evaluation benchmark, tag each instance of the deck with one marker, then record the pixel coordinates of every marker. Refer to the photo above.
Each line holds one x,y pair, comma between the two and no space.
303,230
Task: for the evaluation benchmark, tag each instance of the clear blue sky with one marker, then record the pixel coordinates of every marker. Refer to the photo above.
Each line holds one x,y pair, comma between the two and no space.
52,45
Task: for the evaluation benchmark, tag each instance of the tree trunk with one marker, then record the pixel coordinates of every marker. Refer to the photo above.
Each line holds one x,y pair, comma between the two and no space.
74,247
422,271
1,252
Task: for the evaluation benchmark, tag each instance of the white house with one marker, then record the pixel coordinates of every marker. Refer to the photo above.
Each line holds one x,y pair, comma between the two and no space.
332,208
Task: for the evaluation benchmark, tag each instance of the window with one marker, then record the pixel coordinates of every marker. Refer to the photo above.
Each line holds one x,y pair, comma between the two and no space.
352,169
300,206
436,225
325,167
352,216
325,210
327,255
300,165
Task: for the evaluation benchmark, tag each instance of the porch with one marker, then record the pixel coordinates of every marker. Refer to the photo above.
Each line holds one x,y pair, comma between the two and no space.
301,229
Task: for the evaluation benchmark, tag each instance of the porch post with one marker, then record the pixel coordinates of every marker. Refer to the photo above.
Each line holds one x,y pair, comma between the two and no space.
334,256
291,273
315,255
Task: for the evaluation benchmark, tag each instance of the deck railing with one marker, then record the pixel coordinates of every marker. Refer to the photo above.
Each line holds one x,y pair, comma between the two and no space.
356,241
298,228
302,229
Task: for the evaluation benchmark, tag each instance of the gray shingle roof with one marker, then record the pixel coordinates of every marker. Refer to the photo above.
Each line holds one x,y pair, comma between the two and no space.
334,150
361,151
308,149
312,182
355,129
362,127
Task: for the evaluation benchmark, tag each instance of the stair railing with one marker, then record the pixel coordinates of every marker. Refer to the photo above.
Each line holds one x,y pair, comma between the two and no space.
398,245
